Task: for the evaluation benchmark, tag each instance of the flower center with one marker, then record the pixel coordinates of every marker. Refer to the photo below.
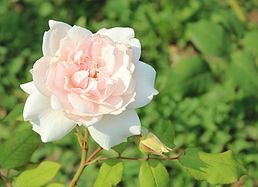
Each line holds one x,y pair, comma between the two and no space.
89,66
85,63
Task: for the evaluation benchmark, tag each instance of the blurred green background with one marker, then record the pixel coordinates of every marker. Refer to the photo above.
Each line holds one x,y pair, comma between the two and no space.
206,56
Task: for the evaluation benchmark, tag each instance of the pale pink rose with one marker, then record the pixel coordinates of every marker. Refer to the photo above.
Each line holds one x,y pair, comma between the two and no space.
94,80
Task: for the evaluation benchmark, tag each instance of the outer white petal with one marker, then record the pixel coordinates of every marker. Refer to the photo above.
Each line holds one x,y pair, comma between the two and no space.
77,33
55,24
35,104
145,79
114,129
35,127
89,121
53,125
51,38
124,35
55,103
48,123
118,34
135,43
39,72
29,87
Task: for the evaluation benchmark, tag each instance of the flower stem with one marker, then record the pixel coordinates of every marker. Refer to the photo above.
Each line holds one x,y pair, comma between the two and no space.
79,136
145,158
79,170
83,165
4,180
92,155
83,141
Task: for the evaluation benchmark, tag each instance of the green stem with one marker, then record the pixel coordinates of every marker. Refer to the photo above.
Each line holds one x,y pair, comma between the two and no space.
79,135
83,141
80,169
234,4
4,180
136,158
87,161
83,165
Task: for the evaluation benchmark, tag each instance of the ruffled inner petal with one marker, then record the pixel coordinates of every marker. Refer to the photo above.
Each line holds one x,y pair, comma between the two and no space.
91,76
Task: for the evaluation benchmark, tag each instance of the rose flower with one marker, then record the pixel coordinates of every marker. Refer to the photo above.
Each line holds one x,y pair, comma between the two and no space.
94,80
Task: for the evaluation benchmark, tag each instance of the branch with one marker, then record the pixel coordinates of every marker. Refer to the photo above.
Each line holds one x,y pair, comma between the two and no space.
91,159
5,181
92,155
136,158
79,136
83,141
84,162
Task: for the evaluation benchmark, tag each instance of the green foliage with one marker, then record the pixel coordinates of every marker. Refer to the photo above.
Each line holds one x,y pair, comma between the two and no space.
250,42
153,174
110,173
166,134
120,148
15,113
206,62
220,168
38,176
243,63
55,185
190,76
208,37
17,151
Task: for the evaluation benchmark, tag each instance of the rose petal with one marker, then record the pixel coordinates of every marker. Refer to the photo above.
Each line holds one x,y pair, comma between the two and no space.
135,43
77,33
29,87
57,24
35,104
124,35
51,38
53,125
145,78
114,129
110,104
118,34
127,99
81,105
124,78
55,103
39,74
35,127
50,124
86,121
